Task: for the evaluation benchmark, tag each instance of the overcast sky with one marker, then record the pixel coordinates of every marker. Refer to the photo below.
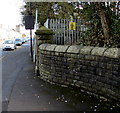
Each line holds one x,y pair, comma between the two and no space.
10,12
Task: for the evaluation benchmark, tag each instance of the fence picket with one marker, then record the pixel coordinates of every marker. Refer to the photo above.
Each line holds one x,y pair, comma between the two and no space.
63,35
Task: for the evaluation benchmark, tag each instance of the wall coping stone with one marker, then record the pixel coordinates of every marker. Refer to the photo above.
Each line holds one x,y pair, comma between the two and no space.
100,51
86,50
43,46
50,47
61,48
74,49
112,52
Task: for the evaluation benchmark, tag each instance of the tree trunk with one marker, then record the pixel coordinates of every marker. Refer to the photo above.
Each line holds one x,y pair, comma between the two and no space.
106,30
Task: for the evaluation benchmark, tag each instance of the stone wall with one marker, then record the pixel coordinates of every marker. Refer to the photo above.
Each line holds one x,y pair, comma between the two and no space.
93,69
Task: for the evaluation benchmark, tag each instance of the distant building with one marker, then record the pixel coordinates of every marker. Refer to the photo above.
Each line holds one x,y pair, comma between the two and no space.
18,28
4,33
0,26
9,33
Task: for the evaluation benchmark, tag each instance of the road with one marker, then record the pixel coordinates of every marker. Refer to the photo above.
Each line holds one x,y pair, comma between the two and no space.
12,62
5,53
11,59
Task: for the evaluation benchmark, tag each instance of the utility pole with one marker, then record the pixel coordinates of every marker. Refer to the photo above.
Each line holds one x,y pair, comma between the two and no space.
29,25
30,13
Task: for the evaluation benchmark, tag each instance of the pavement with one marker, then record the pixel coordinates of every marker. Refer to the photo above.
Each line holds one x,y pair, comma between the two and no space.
32,94
29,93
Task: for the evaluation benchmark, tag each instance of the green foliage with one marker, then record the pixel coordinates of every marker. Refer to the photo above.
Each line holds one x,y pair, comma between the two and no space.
65,10
46,10
94,35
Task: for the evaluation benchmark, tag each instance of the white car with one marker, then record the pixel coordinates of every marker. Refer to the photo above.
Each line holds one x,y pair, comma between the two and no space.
18,41
9,44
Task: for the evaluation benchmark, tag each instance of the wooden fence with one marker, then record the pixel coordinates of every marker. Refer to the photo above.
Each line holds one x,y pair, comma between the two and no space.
63,34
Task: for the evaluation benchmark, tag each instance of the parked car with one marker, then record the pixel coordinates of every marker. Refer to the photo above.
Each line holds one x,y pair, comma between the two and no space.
24,40
18,42
9,44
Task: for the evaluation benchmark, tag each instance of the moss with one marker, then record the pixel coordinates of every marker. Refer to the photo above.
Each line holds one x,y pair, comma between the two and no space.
45,37
44,31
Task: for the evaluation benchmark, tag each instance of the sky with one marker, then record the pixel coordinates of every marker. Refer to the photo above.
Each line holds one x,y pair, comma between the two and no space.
10,12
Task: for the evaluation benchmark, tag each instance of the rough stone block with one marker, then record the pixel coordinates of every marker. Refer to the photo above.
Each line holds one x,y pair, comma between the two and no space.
115,67
115,61
102,65
100,72
69,80
87,63
81,56
109,66
84,79
92,69
43,46
112,53
100,84
93,63
74,49
50,47
86,50
74,56
77,77
57,53
115,73
89,57
61,48
79,83
99,51
92,81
